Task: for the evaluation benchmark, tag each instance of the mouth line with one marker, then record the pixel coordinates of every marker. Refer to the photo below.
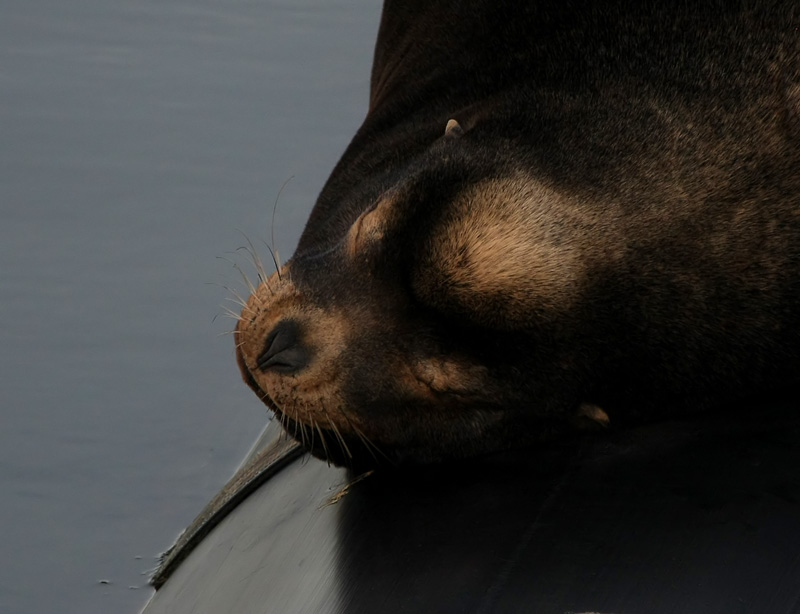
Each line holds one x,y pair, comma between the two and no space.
330,444
262,395
291,426
251,382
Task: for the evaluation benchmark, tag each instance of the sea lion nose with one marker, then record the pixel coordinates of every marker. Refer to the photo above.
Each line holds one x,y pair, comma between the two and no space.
283,351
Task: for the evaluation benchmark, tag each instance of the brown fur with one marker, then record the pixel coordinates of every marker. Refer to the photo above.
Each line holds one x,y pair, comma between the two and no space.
549,209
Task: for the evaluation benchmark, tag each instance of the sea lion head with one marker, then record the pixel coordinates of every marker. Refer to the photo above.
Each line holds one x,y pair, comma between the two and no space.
405,333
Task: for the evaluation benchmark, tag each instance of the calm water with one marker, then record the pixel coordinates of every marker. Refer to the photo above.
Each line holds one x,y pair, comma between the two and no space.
136,137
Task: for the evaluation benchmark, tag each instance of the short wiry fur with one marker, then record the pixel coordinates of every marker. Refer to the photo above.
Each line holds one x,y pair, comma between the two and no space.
612,221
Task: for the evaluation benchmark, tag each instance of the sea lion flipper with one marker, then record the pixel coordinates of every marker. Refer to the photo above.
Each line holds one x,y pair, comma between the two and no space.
591,416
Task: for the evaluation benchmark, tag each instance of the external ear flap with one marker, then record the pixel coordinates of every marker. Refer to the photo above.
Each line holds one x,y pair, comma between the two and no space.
453,129
369,227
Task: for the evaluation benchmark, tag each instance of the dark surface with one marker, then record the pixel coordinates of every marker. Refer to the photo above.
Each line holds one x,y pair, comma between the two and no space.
700,516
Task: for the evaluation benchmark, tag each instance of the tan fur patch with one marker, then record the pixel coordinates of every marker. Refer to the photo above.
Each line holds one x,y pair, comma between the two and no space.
507,249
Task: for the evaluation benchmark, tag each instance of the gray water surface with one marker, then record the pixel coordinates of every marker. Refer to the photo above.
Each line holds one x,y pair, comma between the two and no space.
137,138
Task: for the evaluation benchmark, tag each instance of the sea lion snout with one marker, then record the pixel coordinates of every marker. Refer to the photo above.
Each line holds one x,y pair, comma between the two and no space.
361,373
289,350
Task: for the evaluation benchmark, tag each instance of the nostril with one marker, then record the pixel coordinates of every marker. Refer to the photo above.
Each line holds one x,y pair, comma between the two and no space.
282,350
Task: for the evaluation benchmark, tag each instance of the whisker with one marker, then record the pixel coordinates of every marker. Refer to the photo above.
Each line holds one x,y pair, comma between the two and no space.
246,279
368,444
374,446
272,228
229,332
259,264
371,447
230,313
236,266
236,301
322,440
260,274
251,288
302,430
342,442
313,438
274,260
237,298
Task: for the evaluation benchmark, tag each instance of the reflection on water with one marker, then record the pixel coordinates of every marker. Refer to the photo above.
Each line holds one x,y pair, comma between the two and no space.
137,138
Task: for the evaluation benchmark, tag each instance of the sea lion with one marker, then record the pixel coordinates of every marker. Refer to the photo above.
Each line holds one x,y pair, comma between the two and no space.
554,213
